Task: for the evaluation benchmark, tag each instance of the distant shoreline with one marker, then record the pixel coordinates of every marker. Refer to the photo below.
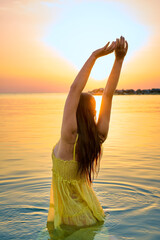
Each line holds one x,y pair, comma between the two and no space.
152,91
99,91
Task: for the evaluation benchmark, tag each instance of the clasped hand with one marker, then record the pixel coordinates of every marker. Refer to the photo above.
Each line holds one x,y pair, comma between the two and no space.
120,47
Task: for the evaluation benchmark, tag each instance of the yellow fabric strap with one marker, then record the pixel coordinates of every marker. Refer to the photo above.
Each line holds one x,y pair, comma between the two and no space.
74,150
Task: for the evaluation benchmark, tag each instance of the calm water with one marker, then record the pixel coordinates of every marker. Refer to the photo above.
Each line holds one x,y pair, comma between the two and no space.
128,184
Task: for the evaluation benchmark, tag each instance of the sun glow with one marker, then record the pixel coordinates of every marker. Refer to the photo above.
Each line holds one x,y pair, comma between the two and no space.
74,42
52,41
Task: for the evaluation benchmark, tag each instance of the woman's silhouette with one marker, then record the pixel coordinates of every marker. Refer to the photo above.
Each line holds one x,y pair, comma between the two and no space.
76,156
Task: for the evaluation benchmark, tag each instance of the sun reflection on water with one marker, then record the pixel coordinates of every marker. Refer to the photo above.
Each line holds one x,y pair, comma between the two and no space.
98,105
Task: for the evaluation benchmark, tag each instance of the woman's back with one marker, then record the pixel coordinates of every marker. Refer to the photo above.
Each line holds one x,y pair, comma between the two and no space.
67,169
65,150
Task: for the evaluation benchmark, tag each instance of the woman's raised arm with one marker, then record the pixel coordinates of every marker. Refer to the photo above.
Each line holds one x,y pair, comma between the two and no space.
105,109
69,123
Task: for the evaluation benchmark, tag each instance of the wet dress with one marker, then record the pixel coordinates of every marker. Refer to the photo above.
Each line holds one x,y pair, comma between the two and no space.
72,199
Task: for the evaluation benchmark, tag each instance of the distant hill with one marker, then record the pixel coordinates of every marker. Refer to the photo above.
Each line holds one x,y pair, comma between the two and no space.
152,91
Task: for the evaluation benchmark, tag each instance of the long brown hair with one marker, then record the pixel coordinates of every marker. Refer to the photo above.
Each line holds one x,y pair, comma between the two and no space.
88,147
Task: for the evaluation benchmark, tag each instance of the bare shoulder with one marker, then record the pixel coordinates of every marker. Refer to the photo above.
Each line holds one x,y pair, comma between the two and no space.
64,148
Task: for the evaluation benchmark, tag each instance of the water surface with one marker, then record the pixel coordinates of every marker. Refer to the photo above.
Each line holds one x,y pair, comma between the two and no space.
128,184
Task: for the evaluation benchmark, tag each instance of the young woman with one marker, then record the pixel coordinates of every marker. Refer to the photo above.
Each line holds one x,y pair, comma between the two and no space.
77,154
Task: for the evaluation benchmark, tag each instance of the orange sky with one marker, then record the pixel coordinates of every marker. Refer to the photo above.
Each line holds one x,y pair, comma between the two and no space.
29,64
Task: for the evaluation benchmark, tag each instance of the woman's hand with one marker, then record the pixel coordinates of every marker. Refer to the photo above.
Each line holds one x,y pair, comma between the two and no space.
121,48
105,50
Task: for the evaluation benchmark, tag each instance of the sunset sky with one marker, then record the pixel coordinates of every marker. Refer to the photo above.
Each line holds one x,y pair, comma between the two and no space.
44,43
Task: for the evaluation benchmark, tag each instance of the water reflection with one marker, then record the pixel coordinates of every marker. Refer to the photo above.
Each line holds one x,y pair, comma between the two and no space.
78,233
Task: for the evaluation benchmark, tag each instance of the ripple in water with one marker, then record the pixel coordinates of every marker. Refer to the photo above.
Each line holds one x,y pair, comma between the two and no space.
131,205
128,184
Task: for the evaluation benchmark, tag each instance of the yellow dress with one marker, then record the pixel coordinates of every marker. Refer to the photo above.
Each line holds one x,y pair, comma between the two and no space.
72,199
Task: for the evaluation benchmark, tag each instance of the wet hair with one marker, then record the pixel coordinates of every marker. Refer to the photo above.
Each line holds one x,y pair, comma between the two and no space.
88,148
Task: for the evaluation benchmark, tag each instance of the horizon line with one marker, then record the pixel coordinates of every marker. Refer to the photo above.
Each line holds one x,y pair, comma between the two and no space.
67,91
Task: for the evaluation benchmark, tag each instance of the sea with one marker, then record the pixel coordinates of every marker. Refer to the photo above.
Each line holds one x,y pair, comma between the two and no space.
128,183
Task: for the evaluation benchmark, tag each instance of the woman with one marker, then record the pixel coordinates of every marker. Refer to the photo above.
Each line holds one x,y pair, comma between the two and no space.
77,155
